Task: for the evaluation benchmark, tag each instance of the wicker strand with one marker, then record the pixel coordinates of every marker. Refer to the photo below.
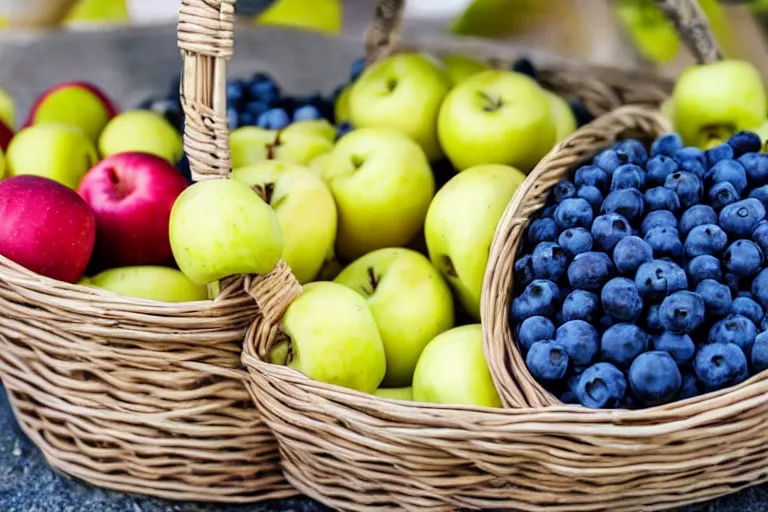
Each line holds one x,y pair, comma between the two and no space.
384,31
692,24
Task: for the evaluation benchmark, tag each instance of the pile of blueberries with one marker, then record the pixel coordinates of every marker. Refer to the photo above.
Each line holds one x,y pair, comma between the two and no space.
643,281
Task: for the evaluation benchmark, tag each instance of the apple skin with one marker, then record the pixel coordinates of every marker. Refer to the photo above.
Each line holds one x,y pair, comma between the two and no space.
316,127
318,164
382,184
496,117
395,393
565,121
453,370
409,300
220,228
404,93
461,67
305,209
718,99
46,228
341,107
149,282
334,338
141,131
80,104
461,223
132,195
251,145
57,151
6,135
667,110
7,110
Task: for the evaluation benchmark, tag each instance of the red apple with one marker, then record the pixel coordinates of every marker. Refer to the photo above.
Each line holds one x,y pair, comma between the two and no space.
132,195
46,227
6,134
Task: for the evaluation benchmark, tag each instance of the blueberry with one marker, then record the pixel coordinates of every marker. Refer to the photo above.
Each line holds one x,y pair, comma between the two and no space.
652,320
621,299
590,270
610,159
263,88
524,66
246,119
747,307
690,387
717,297
744,142
733,281
631,252
679,346
274,119
659,278
357,68
741,218
606,321
722,194
533,329
704,267
720,365
235,92
654,378
659,167
581,305
594,176
547,361
661,198
307,113
233,119
760,236
729,171
568,397
761,194
622,343
736,329
696,215
540,297
760,352
542,230
687,186
573,212
705,239
608,229
682,312
634,150
549,261
667,145
628,176
756,166
343,129
743,258
665,242
718,153
592,195
523,270
601,386
256,107
658,219
627,202
580,112
575,241
691,159
580,341
563,190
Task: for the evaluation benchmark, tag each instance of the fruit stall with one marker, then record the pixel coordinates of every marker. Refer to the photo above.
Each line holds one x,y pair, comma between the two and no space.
265,268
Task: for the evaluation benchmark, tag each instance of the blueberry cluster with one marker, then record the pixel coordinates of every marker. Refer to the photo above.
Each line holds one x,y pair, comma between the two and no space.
643,281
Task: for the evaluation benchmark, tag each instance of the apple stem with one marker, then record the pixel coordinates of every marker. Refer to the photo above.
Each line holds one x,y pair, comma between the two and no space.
265,191
373,280
271,147
448,267
492,104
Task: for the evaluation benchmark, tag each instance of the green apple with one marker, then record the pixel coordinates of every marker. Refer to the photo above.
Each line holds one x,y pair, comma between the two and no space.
460,67
715,100
250,145
395,393
461,223
317,127
317,164
496,117
150,282
220,228
341,107
565,121
762,132
409,300
333,338
330,269
453,370
7,109
144,131
667,110
57,151
305,209
402,92
382,184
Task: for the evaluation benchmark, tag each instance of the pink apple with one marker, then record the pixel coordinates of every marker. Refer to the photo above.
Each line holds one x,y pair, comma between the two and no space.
6,134
46,227
132,195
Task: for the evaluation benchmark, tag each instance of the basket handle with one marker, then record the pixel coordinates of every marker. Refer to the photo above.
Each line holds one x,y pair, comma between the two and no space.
384,32
691,23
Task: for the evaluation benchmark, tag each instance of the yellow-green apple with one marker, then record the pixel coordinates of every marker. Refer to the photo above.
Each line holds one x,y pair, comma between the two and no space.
565,121
409,300
46,227
7,109
461,223
460,67
402,92
333,338
316,127
382,184
132,195
716,100
762,132
453,370
250,145
667,110
317,164
2,164
496,117
57,151
144,131
220,228
395,393
80,104
341,107
305,209
149,282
